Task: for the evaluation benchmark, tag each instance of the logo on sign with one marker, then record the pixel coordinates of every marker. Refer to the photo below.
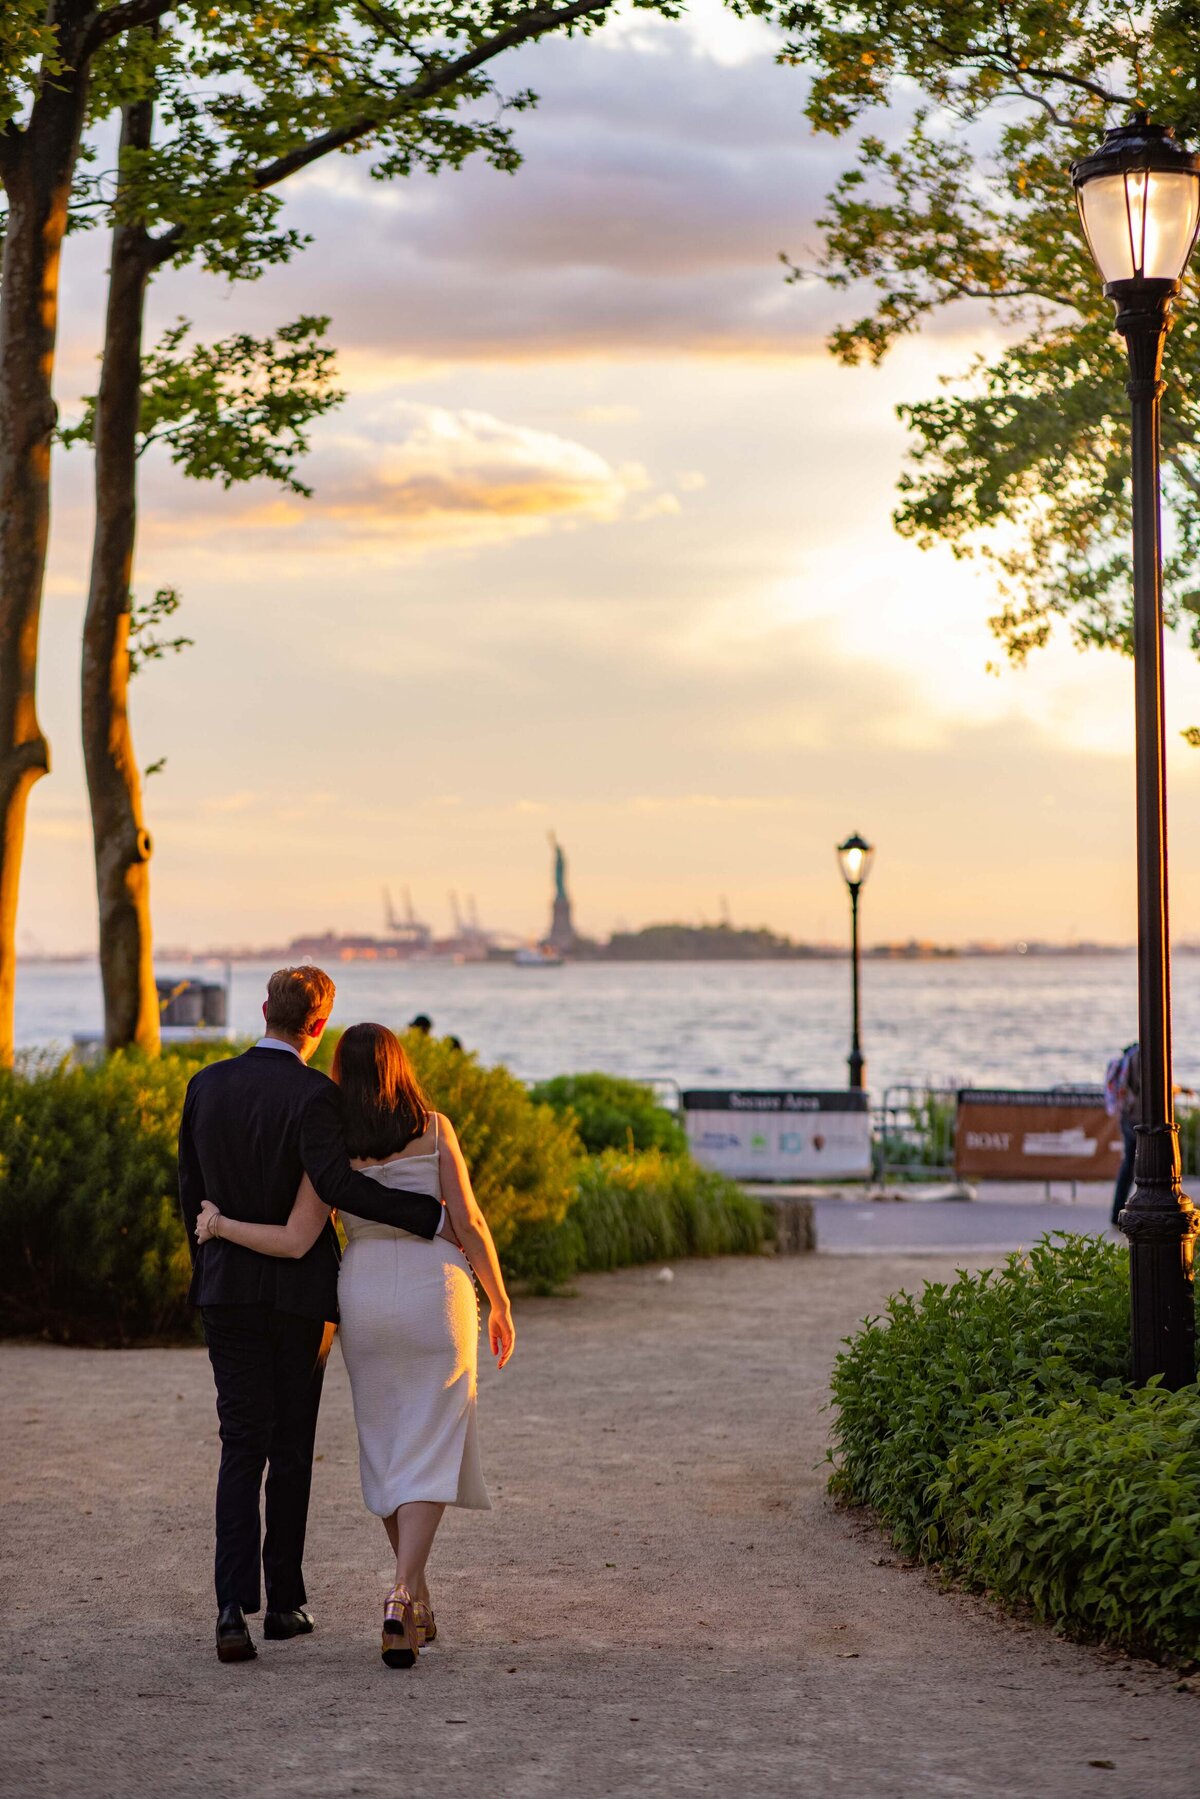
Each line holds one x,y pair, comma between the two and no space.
718,1140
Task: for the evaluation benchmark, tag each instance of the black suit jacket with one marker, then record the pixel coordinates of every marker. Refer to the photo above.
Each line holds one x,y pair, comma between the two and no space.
251,1128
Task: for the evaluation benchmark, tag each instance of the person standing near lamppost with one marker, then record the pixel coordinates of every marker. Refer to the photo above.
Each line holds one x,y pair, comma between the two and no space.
1139,199
855,857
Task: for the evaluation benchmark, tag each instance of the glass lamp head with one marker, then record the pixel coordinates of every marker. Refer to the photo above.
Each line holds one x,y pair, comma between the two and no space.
1139,200
855,856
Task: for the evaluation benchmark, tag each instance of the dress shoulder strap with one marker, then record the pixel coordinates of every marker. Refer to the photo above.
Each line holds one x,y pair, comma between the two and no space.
435,1134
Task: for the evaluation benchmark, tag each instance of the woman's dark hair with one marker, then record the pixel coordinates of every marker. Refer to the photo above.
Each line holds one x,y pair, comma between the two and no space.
383,1104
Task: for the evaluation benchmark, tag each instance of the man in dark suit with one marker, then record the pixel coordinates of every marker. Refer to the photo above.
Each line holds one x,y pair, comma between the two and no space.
252,1127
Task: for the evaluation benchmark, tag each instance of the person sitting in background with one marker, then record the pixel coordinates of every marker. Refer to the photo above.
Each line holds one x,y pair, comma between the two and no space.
1123,1101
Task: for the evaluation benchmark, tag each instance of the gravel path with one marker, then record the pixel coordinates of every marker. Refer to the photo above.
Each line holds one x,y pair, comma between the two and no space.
664,1602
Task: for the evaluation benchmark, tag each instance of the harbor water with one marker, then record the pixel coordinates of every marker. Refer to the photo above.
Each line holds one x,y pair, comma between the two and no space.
1004,1020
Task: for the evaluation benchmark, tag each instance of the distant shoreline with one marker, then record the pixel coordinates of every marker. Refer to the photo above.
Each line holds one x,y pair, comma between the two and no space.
626,957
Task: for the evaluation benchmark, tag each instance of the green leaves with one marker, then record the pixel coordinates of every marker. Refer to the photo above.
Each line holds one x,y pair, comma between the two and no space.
238,409
235,410
611,1113
914,1384
1087,1514
634,1206
991,1426
29,48
1024,459
144,644
91,1246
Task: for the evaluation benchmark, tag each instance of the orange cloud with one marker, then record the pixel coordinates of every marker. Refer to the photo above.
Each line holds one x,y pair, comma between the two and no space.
416,474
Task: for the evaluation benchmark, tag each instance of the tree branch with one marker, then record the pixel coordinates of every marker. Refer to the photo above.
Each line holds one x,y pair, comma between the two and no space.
431,81
1080,81
117,19
434,79
1009,62
964,291
1020,91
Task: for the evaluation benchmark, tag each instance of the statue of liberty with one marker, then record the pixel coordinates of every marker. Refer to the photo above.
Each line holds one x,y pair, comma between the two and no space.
562,929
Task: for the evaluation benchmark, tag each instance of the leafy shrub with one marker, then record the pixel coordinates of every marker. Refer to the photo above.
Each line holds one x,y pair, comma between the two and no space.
647,1207
523,1157
991,1425
91,1246
641,1207
612,1113
1088,1513
915,1384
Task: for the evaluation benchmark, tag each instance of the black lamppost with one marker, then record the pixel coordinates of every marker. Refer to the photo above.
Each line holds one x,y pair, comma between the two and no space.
855,857
1139,198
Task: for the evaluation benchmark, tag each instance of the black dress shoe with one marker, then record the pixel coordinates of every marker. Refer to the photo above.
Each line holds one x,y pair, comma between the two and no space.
278,1626
234,1642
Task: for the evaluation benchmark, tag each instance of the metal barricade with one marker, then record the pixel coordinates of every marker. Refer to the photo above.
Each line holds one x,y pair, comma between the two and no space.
913,1133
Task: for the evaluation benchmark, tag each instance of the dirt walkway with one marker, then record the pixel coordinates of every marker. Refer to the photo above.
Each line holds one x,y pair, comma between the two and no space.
663,1602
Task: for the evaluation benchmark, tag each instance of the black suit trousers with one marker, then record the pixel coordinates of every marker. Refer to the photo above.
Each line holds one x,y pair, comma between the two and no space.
269,1369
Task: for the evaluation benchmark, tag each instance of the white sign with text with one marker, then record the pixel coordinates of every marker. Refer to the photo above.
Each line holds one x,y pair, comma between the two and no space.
780,1134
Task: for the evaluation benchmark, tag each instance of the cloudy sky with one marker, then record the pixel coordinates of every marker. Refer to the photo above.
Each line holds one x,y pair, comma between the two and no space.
600,542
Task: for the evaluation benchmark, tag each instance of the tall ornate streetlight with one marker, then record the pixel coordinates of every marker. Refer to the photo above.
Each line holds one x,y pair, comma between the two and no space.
1139,199
855,856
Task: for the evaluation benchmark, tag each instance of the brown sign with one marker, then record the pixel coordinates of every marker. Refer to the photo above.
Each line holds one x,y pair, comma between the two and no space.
1036,1136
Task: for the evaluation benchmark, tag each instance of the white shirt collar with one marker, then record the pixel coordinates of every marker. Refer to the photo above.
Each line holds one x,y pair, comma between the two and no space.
278,1043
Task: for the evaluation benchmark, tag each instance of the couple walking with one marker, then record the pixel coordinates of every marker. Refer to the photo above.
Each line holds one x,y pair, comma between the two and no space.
268,1148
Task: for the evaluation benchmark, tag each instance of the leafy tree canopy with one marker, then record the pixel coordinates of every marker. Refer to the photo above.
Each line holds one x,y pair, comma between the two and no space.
1023,459
248,94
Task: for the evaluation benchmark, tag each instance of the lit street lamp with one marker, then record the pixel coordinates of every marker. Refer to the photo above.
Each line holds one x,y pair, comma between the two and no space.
1139,199
855,856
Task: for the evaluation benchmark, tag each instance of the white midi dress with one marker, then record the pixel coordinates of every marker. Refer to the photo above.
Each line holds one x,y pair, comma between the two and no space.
410,1339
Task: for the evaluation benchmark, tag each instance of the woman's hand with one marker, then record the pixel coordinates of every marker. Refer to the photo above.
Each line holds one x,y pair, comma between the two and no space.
206,1223
502,1334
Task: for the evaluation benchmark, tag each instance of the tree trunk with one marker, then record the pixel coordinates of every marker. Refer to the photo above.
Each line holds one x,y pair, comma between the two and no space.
38,165
120,839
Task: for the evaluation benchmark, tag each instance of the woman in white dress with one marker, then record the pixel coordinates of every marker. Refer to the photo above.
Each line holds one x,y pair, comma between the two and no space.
409,1316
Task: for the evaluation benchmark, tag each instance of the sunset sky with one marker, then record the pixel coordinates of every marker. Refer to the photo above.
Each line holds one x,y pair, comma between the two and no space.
600,542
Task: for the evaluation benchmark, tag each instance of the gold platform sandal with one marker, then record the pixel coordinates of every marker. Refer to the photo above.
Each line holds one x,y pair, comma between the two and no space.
401,1636
426,1622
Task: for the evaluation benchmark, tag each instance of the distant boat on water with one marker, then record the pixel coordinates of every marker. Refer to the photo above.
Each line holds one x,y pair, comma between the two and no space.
538,955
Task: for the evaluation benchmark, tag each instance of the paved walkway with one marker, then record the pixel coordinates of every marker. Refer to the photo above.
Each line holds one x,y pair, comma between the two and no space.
663,1603
982,1229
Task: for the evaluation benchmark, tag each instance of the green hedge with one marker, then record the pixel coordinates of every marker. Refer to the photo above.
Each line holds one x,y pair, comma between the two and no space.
611,1113
933,1370
90,1241
1089,1515
991,1426
634,1207
92,1249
